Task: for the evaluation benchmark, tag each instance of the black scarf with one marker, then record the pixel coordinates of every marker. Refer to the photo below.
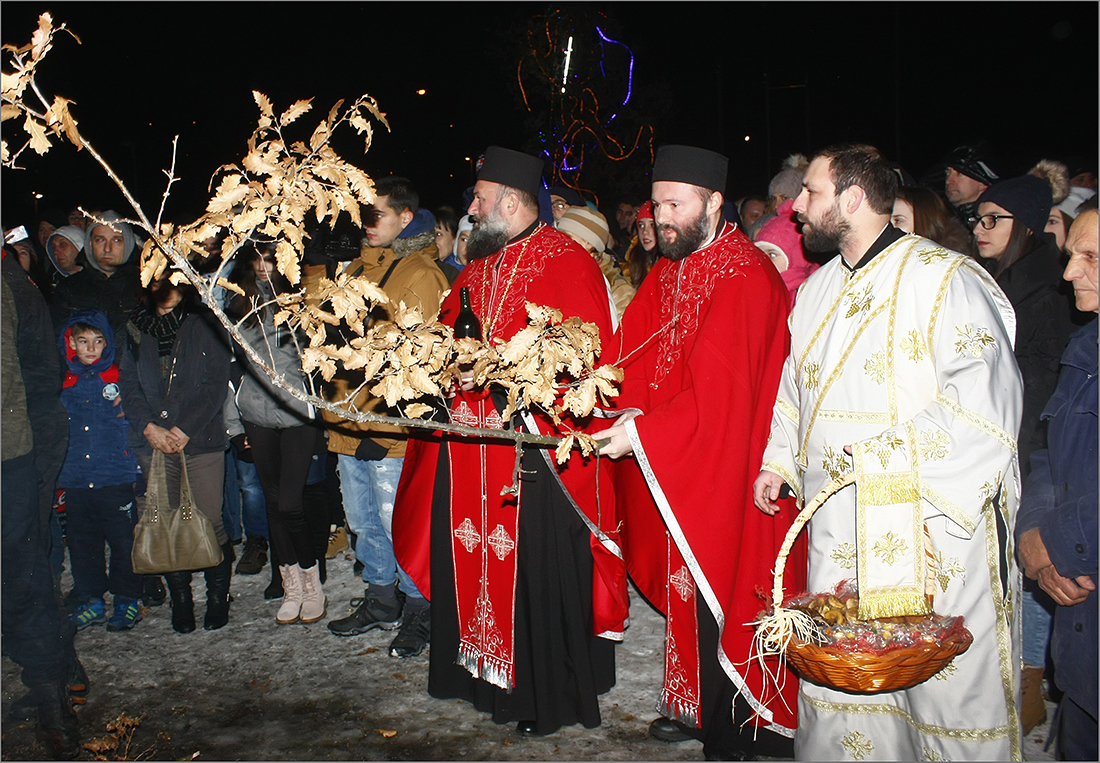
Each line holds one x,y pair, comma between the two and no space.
163,328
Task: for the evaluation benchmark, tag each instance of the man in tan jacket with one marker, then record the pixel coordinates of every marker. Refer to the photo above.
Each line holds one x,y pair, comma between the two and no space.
399,254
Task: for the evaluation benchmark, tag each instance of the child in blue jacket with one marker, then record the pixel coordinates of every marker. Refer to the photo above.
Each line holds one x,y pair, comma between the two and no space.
98,476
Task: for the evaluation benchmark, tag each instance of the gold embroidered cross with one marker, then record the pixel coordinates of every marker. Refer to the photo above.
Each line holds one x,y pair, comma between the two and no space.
889,547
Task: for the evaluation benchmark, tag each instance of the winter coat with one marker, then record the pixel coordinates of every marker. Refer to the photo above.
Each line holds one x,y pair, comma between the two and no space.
41,370
99,454
1060,498
91,289
415,280
1043,327
193,397
258,399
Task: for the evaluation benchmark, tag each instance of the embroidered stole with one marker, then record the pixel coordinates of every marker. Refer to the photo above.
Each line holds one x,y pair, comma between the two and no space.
484,533
681,691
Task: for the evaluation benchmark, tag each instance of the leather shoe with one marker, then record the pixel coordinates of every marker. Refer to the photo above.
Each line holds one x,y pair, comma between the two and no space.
666,730
528,729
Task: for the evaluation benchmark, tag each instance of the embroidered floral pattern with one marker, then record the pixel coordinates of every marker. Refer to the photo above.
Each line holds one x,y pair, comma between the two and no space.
933,444
883,445
859,303
973,340
947,570
835,463
683,584
889,547
845,555
928,256
501,542
947,671
857,745
810,375
989,489
913,345
875,367
931,755
688,288
468,535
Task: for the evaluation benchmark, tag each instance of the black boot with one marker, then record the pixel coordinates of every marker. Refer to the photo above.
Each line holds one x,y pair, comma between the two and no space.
57,724
274,589
317,520
183,606
152,594
217,591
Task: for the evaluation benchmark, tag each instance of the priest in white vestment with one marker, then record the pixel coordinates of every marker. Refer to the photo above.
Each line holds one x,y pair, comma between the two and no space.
901,371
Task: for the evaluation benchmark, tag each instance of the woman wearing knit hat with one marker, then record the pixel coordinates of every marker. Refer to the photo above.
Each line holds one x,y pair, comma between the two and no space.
1025,261
641,255
781,240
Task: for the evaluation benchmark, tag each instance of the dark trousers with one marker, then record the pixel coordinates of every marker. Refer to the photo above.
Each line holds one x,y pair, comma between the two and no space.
1077,732
283,458
37,634
97,516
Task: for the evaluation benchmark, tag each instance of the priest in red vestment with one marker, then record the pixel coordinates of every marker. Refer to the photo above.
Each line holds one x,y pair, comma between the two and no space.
702,347
528,592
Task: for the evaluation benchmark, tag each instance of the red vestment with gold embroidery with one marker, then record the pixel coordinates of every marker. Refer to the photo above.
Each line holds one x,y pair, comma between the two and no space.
546,268
705,340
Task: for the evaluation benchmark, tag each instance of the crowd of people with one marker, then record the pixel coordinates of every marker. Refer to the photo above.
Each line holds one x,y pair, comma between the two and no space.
935,341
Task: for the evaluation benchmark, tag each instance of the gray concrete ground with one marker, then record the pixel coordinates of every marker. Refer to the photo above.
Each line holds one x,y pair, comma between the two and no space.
259,691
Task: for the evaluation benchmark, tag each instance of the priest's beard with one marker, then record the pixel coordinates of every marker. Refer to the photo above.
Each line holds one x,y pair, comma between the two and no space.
688,239
488,237
828,234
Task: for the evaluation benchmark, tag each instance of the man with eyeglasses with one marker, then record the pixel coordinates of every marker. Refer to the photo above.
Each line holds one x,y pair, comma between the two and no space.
901,374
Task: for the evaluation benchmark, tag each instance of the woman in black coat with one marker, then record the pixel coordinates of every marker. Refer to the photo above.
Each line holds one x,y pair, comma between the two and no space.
173,385
1026,262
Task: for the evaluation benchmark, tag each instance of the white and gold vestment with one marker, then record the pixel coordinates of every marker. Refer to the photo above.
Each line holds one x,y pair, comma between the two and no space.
909,361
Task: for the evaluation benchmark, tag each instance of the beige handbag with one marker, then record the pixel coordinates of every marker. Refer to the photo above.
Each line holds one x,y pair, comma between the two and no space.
170,539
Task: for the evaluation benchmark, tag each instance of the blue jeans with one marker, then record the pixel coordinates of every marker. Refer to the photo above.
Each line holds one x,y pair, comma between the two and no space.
1038,611
369,488
244,498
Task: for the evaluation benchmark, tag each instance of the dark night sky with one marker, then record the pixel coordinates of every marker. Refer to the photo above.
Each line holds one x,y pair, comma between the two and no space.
915,79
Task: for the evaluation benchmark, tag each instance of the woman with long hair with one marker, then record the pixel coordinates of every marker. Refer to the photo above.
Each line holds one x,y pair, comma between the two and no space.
1012,245
919,210
642,253
281,432
173,386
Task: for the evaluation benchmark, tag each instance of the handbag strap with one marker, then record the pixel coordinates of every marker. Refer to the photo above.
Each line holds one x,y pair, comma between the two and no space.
156,491
187,501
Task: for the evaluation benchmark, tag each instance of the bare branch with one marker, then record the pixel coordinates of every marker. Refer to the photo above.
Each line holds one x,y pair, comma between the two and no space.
171,173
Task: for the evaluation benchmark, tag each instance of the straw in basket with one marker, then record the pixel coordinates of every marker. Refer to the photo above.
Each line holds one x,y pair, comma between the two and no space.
792,633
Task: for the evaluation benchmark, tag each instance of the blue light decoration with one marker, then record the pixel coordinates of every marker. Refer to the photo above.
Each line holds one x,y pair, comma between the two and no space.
630,73
560,88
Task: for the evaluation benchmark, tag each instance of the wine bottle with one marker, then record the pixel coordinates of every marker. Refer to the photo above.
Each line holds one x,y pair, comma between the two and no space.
467,326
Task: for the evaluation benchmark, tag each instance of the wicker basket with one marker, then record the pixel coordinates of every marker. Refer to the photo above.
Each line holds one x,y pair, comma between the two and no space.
860,672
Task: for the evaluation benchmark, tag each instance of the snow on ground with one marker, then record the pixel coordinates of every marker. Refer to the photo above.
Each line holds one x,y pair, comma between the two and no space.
255,690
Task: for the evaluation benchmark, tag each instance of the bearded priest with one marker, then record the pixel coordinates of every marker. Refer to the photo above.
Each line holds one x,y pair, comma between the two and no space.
901,374
528,592
702,347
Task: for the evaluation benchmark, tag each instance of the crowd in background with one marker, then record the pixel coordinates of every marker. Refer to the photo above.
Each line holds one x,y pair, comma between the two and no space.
147,370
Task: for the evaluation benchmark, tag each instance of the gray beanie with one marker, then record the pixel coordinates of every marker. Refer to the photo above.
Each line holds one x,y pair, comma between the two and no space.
73,234
788,183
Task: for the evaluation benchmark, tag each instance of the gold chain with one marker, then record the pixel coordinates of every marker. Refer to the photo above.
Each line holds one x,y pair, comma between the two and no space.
485,284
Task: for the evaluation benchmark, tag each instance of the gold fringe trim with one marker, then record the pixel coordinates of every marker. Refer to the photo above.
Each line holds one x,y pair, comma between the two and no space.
894,604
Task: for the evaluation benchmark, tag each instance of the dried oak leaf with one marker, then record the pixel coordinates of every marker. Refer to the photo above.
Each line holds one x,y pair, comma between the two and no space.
416,410
296,110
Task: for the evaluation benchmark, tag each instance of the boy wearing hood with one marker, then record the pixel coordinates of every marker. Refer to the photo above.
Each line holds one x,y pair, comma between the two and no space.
98,476
110,283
